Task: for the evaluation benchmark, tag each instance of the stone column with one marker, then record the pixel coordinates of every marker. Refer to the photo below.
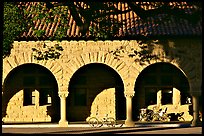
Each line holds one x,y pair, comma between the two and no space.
196,121
159,98
129,122
63,122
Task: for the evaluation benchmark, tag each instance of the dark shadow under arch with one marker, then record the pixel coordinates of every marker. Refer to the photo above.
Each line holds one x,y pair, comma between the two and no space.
157,76
87,82
36,77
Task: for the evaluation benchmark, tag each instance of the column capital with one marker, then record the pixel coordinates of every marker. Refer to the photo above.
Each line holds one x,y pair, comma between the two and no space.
63,94
129,93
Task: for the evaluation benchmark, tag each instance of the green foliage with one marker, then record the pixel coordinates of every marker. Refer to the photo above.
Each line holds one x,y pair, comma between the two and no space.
141,54
104,29
13,26
49,16
47,52
19,19
39,33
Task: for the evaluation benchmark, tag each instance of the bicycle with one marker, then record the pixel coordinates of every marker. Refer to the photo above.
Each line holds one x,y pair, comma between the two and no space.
95,122
145,114
160,115
180,118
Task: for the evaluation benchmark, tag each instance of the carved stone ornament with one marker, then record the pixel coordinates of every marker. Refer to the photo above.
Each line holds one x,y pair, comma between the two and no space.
63,94
129,93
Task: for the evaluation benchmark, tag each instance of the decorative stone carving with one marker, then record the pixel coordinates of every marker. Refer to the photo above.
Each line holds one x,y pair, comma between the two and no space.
63,94
129,93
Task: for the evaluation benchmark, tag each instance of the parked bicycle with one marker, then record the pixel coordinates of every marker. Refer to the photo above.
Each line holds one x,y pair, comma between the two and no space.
154,115
96,122
161,115
176,116
179,115
145,114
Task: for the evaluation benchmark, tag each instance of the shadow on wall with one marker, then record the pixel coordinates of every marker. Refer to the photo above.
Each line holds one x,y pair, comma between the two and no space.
14,110
101,101
104,104
163,84
89,85
30,94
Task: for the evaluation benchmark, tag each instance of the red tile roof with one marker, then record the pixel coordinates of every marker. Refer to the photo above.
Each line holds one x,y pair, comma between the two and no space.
133,25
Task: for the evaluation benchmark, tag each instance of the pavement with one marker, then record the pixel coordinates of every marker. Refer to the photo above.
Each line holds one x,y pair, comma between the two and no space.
82,124
84,128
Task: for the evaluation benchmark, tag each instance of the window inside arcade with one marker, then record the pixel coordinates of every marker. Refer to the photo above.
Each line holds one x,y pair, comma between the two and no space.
164,77
37,87
167,96
29,97
151,95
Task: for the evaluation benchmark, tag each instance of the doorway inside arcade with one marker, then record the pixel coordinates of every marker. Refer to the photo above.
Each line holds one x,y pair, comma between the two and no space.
95,90
162,85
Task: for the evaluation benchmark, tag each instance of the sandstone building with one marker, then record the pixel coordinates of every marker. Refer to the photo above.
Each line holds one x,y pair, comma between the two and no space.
105,76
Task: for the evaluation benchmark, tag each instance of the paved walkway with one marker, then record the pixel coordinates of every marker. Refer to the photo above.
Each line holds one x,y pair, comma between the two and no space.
85,129
82,124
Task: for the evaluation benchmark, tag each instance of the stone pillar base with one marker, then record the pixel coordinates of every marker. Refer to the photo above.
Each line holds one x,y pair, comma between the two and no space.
129,123
63,123
196,123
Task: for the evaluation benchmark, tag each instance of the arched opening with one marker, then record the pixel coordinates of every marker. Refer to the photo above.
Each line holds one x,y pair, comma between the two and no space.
161,84
95,89
30,94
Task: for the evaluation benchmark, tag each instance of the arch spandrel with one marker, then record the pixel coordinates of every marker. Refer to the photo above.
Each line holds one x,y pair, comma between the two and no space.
10,63
191,70
99,57
97,53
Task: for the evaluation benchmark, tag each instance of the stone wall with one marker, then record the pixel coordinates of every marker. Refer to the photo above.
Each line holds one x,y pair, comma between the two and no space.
104,104
79,53
185,54
18,113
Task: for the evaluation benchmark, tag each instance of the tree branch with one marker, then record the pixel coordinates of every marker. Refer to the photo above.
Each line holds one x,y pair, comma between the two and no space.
165,9
94,12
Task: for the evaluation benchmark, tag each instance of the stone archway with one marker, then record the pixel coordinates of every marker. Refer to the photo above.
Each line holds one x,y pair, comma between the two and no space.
162,76
95,57
78,61
19,57
95,90
30,94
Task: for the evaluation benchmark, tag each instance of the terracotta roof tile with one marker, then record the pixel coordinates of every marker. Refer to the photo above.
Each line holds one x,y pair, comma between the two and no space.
132,26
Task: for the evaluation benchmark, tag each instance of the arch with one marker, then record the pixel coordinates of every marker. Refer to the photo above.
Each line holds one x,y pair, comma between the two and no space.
30,88
161,76
95,89
14,61
95,57
181,63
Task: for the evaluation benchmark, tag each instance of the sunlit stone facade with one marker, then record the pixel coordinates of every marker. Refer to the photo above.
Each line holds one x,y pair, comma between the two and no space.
89,79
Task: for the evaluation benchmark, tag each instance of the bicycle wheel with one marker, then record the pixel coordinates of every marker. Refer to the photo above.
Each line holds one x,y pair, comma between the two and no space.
93,122
150,116
181,119
110,122
155,117
143,117
164,118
